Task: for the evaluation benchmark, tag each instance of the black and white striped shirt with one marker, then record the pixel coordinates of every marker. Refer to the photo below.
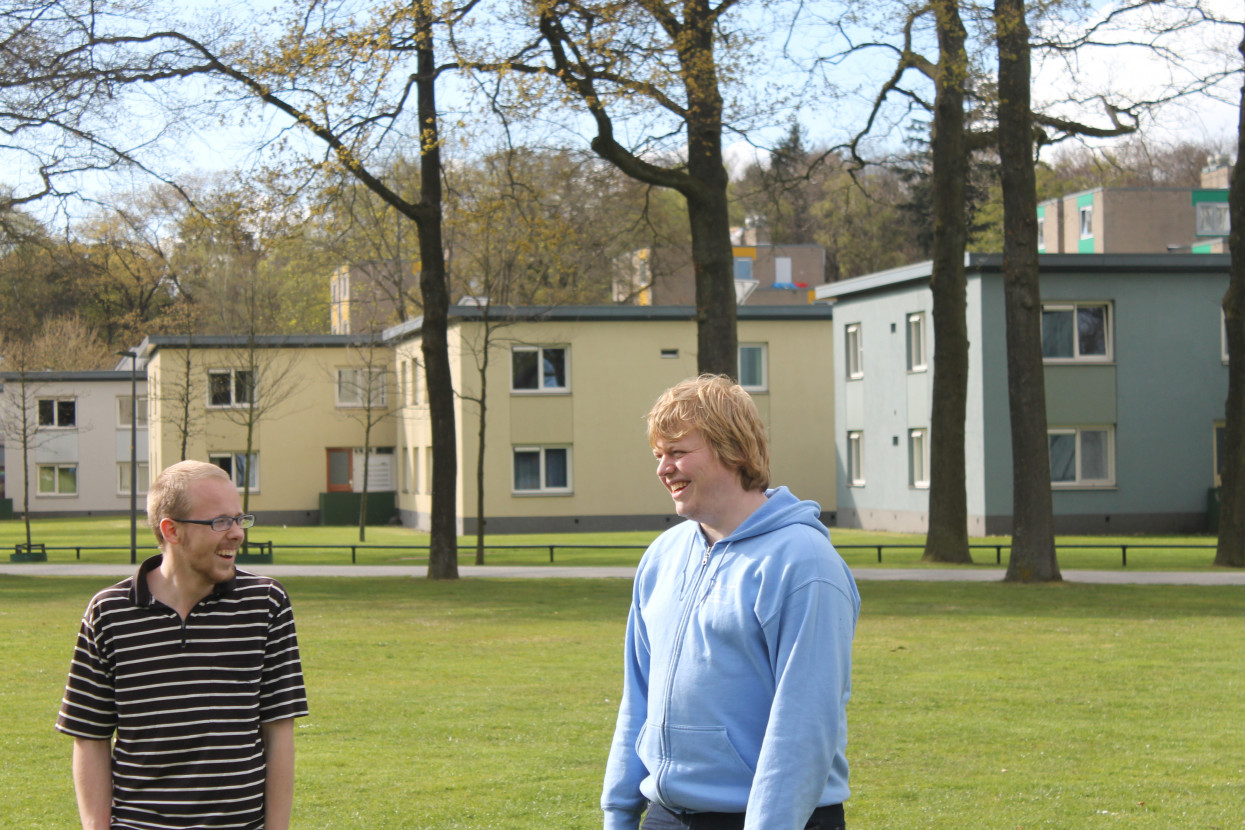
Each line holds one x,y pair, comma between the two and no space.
186,699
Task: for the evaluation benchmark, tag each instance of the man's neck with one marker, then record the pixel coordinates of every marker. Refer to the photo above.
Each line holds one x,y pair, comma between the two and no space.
733,516
176,589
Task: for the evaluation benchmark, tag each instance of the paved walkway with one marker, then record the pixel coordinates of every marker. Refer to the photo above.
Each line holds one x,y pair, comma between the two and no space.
1120,577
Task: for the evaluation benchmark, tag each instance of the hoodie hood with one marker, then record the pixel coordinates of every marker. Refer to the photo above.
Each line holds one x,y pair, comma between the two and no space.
781,509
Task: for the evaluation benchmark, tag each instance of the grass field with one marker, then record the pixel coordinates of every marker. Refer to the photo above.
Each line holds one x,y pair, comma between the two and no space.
330,546
489,704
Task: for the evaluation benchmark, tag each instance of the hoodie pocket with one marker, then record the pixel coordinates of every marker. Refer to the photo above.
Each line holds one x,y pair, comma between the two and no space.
696,767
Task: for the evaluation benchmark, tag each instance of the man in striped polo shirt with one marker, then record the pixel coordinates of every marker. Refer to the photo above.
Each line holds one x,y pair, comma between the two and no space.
194,665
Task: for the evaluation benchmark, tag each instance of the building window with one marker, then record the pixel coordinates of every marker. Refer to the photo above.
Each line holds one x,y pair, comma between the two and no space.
1087,221
1220,454
743,268
854,352
916,342
356,386
855,459
123,477
229,387
1076,331
1213,219
752,369
58,479
542,469
123,411
57,412
1082,456
538,369
918,458
243,469
1041,233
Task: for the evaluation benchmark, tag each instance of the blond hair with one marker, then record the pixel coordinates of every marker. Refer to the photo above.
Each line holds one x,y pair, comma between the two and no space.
169,495
725,416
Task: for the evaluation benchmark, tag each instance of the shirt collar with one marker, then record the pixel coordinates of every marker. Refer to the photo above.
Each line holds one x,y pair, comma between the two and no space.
141,596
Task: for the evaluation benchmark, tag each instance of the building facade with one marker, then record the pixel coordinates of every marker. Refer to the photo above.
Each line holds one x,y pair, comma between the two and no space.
77,441
303,404
1136,382
566,392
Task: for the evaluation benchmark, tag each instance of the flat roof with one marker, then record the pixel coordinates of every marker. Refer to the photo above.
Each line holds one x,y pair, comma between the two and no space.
1182,263
609,313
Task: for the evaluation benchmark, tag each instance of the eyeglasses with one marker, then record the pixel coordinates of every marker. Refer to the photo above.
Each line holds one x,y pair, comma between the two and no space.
222,523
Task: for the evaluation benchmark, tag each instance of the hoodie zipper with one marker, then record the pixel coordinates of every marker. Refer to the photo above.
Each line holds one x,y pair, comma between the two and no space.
689,604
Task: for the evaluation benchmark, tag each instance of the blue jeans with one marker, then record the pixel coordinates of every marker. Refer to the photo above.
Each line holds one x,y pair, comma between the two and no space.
659,818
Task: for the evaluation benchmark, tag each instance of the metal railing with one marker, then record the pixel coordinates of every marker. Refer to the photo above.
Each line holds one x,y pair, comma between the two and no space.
269,549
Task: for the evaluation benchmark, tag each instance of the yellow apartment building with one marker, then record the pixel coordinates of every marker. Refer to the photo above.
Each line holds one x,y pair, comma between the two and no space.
566,391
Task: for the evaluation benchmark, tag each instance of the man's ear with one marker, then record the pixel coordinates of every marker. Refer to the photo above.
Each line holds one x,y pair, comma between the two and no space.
169,529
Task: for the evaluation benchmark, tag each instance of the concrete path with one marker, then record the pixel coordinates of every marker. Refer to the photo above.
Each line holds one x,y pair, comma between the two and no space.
1120,577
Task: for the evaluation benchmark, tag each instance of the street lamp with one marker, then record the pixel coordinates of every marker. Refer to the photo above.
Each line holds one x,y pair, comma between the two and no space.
133,356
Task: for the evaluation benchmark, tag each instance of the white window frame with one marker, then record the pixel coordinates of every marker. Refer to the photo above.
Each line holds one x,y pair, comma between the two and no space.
763,385
853,349
123,478
234,403
1085,215
918,458
356,378
541,388
1080,481
56,412
214,458
1041,233
123,412
544,489
56,491
1214,219
917,358
855,458
1108,333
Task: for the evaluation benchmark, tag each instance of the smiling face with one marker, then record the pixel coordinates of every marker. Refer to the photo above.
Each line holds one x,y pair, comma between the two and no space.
703,488
199,553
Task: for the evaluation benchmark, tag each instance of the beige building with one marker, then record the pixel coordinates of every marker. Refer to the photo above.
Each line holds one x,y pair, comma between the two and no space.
567,391
311,399
370,296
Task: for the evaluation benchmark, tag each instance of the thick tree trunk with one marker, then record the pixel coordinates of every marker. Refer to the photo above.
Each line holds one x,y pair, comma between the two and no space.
434,285
713,260
1033,533
1231,549
947,540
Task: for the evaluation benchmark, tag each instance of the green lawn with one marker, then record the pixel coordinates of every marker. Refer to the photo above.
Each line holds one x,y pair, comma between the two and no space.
330,545
489,704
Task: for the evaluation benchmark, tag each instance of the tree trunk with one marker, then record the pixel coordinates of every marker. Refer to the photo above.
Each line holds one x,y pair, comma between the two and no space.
483,422
947,540
434,285
1231,548
713,261
1033,533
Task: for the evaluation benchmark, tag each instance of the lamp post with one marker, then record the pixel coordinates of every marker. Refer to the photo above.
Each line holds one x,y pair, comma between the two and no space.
133,356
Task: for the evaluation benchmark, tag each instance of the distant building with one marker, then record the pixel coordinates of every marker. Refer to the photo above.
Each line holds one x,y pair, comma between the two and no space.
1136,381
79,446
1139,220
765,274
368,297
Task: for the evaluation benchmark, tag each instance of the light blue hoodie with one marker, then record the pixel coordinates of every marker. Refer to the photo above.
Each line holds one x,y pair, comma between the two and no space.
737,673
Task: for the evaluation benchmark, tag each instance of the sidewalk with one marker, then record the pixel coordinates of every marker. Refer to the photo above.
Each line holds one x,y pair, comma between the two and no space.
1121,577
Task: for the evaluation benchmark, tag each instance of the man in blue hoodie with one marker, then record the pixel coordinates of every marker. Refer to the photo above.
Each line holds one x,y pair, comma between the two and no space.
737,662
